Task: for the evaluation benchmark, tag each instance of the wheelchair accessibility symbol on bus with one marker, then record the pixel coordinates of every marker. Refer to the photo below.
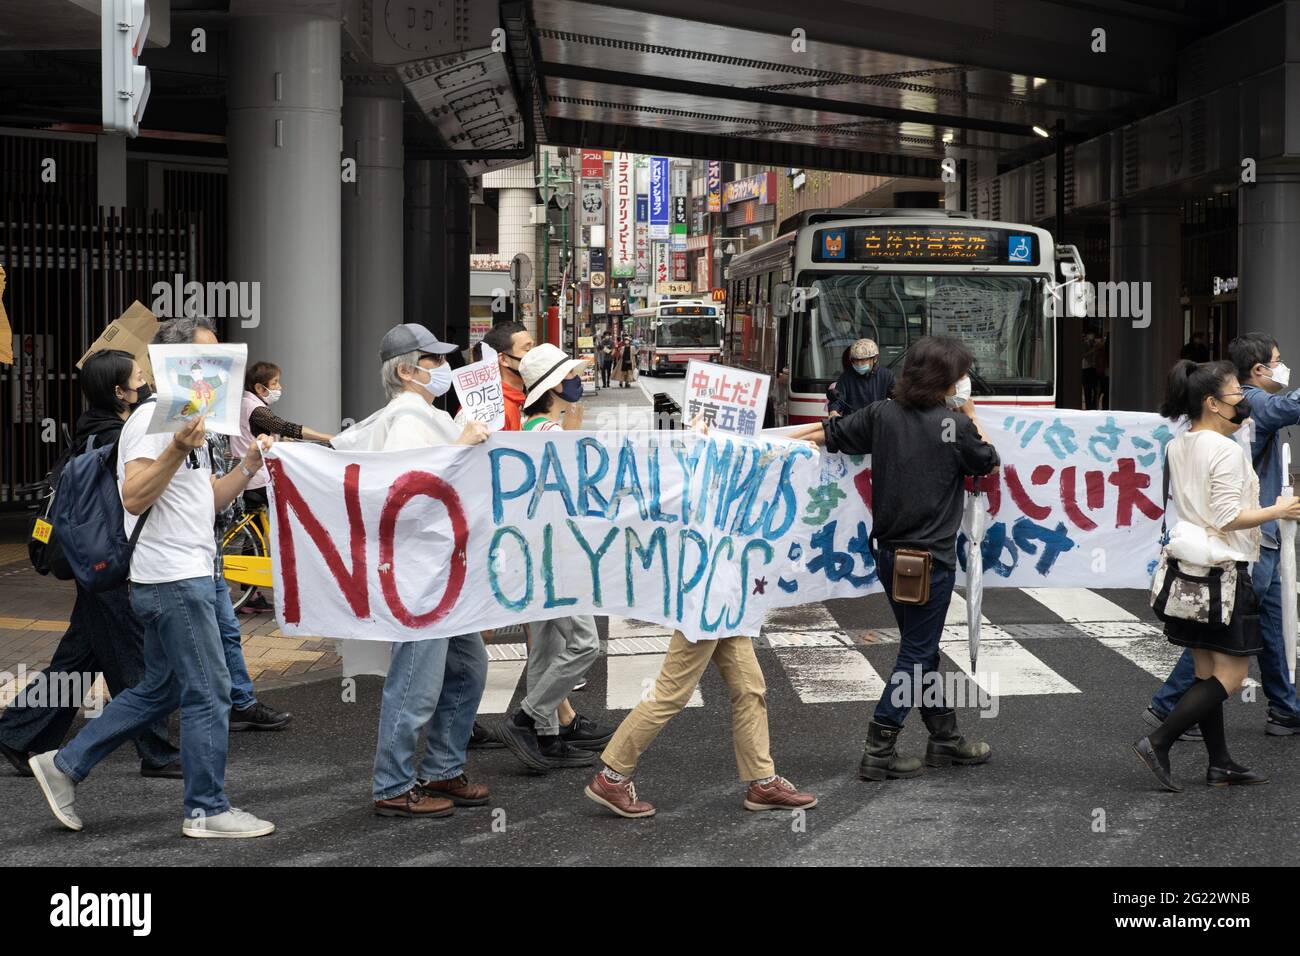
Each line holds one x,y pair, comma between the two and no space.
1020,248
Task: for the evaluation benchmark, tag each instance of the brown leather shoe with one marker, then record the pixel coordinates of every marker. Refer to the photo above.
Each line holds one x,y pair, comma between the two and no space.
458,790
414,803
619,797
780,794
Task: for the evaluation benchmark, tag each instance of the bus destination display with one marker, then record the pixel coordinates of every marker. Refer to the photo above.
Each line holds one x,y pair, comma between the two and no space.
925,244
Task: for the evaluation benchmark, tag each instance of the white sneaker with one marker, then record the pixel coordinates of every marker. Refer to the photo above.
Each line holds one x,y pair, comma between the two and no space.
233,824
59,789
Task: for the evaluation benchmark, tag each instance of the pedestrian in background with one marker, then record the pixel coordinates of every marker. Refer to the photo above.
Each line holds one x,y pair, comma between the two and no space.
924,445
624,362
103,634
863,382
1215,489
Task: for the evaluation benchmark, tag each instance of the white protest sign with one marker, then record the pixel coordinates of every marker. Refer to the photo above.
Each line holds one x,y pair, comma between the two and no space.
478,386
730,399
193,380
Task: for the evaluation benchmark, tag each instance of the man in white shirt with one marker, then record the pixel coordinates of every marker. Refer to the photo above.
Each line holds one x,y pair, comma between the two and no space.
435,684
166,481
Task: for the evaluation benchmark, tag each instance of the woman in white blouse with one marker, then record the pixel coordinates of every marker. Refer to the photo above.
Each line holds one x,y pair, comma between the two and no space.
1213,486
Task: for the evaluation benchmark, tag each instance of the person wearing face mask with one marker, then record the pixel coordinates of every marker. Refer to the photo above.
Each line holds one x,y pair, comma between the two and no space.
104,634
924,444
863,382
432,686
1274,404
1214,488
560,650
261,391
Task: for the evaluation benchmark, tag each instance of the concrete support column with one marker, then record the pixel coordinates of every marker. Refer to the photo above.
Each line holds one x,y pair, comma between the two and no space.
283,142
456,222
515,235
1146,258
425,252
1268,226
372,236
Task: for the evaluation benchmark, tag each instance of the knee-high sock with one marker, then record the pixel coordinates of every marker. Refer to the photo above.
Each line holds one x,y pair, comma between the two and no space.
1216,740
1201,698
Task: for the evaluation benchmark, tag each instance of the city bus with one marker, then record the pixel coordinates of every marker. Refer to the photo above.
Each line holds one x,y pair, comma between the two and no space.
671,333
894,275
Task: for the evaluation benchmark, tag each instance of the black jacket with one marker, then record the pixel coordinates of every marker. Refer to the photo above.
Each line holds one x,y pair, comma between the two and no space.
854,391
105,426
919,459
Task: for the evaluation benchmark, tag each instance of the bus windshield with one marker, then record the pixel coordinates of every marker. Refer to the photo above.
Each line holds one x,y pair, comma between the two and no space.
688,332
999,317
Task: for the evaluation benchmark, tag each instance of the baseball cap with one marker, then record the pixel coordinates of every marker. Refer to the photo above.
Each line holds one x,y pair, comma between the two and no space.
412,337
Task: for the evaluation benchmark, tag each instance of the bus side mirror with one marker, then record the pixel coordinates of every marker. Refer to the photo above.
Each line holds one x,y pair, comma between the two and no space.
781,300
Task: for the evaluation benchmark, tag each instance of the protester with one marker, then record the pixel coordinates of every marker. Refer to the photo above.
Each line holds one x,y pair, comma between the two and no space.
174,593
864,382
1273,406
624,362
103,634
1214,488
511,341
561,650
262,389
434,685
924,444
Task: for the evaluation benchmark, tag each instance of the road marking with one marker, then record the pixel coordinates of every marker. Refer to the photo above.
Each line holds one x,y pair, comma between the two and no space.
1155,655
957,611
803,617
1119,629
632,676
830,676
1079,604
807,639
1018,672
502,681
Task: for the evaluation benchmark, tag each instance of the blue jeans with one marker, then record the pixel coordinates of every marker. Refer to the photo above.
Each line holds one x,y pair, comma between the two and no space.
435,684
1278,688
185,667
241,685
920,627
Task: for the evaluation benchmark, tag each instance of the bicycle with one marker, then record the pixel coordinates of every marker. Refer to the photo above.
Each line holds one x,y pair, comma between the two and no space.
246,556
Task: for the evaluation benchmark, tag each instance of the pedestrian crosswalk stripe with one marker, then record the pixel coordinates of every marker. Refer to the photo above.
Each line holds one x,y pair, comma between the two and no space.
1119,629
631,677
822,675
502,681
804,617
957,611
1155,655
656,644
630,627
1079,604
834,638
1005,667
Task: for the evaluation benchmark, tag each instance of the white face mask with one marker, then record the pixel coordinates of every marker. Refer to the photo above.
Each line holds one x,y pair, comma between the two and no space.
1281,374
439,380
272,396
962,395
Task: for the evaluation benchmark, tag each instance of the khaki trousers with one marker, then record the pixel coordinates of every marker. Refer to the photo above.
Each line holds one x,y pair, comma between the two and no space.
683,667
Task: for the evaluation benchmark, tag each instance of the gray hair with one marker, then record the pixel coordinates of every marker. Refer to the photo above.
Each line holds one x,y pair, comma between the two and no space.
181,331
394,384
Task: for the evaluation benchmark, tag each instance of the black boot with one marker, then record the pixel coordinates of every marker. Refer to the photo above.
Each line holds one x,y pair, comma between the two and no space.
947,747
880,760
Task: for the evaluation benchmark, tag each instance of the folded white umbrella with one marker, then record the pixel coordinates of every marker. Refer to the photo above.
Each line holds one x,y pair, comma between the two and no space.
974,522
1286,568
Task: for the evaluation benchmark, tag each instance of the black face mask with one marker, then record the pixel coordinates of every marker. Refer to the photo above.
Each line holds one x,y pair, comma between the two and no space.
142,395
1240,412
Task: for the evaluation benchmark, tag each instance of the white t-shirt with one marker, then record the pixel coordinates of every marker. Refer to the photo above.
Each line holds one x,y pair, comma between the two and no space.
178,540
406,422
1211,481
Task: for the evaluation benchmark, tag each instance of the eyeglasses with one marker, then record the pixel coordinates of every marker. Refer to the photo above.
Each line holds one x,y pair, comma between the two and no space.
1228,394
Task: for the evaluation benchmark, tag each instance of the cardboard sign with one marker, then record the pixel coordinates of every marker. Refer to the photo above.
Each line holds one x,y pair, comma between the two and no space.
195,380
6,333
132,332
730,399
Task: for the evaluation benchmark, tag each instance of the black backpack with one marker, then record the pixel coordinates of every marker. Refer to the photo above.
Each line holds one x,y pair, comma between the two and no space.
43,548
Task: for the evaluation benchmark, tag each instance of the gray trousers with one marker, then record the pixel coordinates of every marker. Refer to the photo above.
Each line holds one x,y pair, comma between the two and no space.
562,650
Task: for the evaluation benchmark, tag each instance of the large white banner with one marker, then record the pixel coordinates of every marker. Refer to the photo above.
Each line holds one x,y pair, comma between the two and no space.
701,533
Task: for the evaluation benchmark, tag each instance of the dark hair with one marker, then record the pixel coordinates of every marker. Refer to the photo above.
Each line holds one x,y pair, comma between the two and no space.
260,373
1249,350
101,374
182,330
1190,383
501,336
541,404
933,363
